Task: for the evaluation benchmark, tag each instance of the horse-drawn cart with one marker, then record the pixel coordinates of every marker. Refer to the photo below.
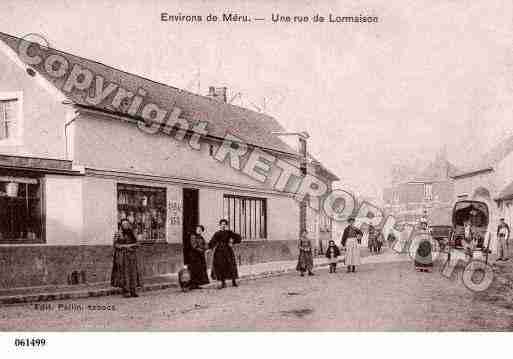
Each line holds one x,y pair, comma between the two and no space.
470,220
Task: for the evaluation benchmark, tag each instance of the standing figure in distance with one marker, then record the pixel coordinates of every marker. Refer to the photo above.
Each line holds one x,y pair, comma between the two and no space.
373,240
379,241
305,259
224,265
391,239
503,237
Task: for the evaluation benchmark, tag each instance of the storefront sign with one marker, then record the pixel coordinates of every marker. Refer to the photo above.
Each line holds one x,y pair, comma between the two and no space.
174,212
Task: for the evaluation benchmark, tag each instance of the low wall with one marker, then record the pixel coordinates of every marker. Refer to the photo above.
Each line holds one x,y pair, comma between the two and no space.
34,266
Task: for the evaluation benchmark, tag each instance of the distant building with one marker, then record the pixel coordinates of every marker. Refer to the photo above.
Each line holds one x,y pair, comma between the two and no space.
421,194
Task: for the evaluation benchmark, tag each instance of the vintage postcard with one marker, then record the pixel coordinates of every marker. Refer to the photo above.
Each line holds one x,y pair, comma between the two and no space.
255,166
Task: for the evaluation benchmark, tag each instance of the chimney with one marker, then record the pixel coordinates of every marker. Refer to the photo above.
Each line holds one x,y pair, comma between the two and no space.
217,93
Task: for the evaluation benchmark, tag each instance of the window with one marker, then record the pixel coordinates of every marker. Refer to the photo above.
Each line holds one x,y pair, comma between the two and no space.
145,209
246,215
324,223
10,116
428,191
21,210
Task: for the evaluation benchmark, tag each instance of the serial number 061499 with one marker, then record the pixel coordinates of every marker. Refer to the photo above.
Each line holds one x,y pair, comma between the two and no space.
29,342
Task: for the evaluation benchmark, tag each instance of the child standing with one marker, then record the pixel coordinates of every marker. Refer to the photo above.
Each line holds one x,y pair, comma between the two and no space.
332,253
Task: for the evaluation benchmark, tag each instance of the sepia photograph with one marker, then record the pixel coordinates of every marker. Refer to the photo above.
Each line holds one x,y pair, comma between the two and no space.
255,167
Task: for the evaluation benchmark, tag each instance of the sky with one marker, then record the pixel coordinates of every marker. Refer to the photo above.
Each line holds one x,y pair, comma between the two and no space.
428,74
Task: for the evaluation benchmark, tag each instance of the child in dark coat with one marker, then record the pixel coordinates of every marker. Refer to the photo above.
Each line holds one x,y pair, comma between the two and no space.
332,253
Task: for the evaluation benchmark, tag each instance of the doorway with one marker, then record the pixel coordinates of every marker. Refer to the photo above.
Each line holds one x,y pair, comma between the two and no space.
190,219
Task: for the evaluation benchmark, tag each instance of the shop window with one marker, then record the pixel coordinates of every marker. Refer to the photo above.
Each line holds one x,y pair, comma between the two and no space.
145,209
246,215
21,210
10,116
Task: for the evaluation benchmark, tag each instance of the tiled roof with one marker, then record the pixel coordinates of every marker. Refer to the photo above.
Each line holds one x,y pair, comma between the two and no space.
252,127
497,153
491,158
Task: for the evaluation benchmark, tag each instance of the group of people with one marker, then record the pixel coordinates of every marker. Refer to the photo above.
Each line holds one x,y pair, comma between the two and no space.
351,240
473,239
126,272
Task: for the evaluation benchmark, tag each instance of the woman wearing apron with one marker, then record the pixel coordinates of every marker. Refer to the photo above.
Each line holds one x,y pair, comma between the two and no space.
351,239
424,249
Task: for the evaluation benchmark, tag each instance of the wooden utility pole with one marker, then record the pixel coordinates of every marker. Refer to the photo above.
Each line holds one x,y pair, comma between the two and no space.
303,171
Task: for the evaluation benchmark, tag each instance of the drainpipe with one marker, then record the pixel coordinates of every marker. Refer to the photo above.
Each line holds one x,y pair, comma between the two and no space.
77,115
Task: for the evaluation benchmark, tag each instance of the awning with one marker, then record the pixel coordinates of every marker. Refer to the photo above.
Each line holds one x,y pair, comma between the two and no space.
18,179
37,165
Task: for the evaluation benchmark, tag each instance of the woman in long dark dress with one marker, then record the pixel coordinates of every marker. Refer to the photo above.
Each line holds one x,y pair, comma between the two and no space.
224,265
125,271
197,262
305,259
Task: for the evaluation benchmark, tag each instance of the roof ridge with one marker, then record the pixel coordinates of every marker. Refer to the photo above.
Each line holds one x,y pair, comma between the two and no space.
253,128
490,158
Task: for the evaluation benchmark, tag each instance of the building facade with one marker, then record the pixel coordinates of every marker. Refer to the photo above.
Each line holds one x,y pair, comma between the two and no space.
78,153
424,194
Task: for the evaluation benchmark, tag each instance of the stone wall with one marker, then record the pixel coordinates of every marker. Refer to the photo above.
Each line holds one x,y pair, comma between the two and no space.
35,266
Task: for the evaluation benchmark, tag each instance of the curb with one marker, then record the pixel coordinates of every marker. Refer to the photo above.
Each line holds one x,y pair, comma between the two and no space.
80,294
102,292
45,297
277,272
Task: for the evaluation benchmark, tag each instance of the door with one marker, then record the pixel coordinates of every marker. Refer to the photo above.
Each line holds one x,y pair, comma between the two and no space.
190,219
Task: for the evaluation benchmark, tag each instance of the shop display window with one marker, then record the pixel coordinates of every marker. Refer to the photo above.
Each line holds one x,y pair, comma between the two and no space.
145,209
21,210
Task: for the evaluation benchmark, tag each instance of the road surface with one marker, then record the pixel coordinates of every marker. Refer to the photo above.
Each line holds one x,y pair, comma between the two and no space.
379,297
